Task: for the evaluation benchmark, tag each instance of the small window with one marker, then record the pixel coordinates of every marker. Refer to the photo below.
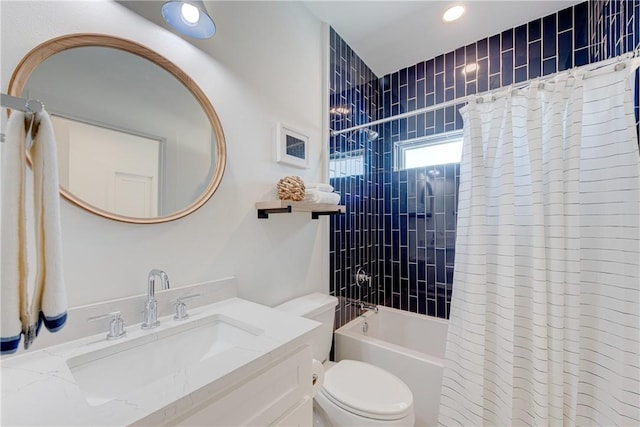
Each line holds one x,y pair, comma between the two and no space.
428,151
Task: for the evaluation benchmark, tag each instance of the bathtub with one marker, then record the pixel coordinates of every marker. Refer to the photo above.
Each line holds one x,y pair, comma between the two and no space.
410,346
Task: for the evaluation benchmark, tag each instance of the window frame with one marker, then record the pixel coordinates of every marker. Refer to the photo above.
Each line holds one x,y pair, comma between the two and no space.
401,148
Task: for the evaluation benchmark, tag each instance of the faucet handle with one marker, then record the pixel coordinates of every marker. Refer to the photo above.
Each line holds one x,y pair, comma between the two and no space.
116,325
362,277
181,307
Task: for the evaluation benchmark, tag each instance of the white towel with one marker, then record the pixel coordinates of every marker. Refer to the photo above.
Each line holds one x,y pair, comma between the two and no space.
14,260
49,302
319,187
315,196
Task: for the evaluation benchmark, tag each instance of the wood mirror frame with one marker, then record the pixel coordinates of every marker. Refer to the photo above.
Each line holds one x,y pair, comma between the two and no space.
40,53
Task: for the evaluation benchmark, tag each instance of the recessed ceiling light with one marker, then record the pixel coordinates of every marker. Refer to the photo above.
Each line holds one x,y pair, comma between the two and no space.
453,13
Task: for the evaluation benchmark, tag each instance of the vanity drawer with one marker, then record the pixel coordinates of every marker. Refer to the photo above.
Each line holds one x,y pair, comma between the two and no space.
264,398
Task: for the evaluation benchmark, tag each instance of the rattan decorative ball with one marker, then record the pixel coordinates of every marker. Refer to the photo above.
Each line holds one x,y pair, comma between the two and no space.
291,188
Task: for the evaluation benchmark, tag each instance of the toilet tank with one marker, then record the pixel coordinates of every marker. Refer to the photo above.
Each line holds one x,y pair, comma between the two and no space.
318,307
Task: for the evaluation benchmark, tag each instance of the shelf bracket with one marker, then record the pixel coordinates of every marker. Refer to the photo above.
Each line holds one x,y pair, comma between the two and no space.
264,213
316,214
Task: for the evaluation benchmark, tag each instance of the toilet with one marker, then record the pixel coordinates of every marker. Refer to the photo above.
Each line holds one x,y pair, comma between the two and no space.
353,393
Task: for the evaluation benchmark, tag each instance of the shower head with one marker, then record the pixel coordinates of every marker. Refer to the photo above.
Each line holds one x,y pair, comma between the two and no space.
371,134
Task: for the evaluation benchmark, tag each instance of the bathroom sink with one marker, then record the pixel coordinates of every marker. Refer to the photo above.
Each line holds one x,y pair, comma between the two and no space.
107,373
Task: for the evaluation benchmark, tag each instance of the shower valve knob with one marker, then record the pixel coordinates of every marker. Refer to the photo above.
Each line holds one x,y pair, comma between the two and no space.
362,277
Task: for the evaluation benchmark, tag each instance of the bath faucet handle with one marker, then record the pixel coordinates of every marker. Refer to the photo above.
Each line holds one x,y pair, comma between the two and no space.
362,277
181,307
116,325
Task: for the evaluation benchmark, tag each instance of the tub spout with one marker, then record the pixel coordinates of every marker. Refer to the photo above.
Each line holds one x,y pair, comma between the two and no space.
368,307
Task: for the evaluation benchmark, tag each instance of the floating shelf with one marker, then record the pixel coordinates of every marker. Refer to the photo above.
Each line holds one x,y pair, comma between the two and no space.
287,206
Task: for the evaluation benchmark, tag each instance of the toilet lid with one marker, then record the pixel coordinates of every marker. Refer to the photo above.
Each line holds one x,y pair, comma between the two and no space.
367,390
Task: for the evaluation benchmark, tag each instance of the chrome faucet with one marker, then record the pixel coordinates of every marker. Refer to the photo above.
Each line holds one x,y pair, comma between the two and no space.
367,307
151,306
361,278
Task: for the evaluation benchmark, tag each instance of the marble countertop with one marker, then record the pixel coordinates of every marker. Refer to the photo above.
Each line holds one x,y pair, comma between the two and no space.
38,388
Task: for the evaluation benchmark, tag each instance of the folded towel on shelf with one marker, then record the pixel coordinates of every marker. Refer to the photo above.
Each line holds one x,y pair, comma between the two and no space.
14,259
315,196
327,188
49,304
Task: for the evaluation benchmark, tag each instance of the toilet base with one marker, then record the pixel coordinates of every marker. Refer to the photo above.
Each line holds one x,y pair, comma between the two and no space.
320,418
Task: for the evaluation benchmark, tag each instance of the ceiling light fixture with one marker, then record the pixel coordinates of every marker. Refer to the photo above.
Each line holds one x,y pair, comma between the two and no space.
190,13
189,17
453,13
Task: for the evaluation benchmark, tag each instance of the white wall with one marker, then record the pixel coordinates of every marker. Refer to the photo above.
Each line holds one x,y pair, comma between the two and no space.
267,67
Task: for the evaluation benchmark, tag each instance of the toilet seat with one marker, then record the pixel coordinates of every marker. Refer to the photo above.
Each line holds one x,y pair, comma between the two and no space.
366,390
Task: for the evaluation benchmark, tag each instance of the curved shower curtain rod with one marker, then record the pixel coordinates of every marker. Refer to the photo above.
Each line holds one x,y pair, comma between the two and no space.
462,100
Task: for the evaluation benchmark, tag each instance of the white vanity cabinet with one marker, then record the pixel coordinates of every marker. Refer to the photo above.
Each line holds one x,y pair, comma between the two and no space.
231,363
277,393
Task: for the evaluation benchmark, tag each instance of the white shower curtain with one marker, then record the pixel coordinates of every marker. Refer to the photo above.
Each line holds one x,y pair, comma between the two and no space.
545,316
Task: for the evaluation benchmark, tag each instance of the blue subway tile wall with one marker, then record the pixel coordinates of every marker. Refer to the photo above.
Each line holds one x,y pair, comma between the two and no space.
354,96
412,233
418,235
614,29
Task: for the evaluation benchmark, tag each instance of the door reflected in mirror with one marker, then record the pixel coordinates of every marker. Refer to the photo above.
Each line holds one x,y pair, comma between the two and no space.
115,170
138,141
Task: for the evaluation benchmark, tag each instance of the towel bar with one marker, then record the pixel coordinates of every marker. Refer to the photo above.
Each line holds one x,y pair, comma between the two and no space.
21,104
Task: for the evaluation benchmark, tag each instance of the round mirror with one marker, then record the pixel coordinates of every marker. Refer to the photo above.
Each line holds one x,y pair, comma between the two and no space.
138,141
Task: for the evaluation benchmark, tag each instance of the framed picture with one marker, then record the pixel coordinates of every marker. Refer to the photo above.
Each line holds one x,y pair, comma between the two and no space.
292,147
